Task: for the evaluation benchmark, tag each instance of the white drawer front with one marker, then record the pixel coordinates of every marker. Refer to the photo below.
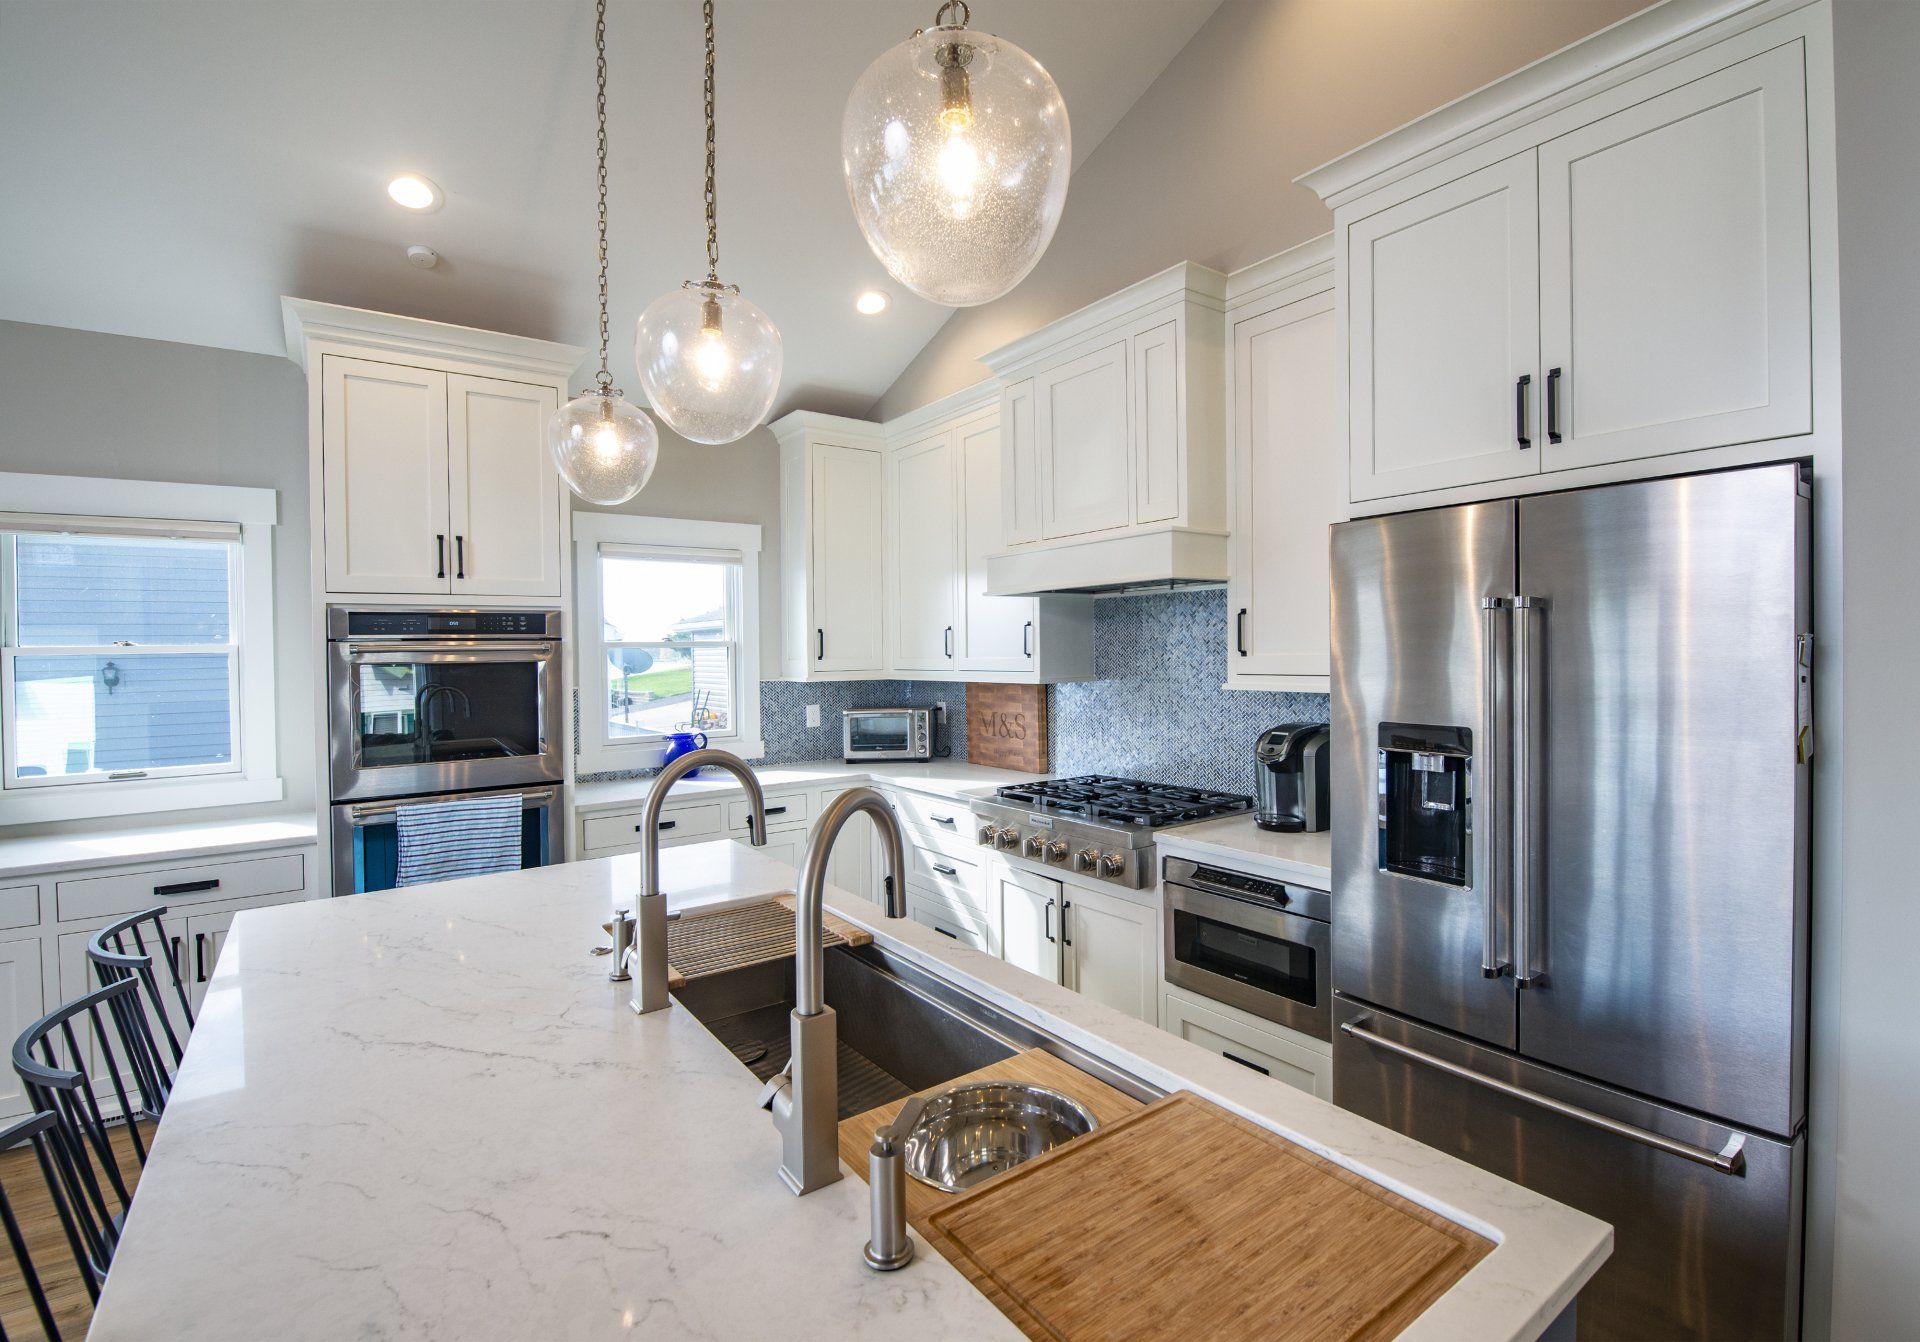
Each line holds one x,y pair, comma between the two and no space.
941,817
20,906
105,897
788,810
678,824
1303,1068
950,877
941,917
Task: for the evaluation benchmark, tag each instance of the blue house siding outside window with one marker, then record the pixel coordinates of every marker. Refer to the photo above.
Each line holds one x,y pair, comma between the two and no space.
122,655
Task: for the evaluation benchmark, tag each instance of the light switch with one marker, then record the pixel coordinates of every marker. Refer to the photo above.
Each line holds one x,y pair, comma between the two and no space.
813,715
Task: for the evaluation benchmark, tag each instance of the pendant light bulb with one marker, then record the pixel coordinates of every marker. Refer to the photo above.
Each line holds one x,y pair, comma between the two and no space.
709,360
957,149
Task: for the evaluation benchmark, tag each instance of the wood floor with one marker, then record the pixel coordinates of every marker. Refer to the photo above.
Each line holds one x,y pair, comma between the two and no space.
52,1259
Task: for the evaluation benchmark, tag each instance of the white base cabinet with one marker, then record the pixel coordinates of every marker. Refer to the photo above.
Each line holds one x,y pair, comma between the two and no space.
1110,950
1030,921
22,1000
1303,1063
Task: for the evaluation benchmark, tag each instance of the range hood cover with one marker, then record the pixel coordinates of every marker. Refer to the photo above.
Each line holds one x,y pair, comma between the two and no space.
1165,557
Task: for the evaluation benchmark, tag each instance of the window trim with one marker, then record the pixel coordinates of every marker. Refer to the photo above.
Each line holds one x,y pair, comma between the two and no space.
594,751
254,776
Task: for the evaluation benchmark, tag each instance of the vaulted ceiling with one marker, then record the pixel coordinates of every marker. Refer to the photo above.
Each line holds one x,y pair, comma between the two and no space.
172,167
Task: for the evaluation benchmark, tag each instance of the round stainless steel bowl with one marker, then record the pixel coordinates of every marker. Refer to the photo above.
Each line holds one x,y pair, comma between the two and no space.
973,1131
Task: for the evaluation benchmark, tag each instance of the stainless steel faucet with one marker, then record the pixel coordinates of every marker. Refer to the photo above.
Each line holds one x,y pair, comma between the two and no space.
650,909
805,1097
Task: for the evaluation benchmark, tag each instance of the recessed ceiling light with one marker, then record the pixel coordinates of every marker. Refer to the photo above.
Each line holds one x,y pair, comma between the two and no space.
414,192
873,302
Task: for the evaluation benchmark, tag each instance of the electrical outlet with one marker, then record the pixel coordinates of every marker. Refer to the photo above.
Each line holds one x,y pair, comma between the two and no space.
813,715
940,709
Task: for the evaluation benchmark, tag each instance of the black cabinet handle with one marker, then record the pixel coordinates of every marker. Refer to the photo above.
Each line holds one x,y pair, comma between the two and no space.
669,824
1026,640
460,556
774,810
1047,927
1520,386
185,888
173,957
440,549
941,819
1234,1057
1066,907
943,932
1553,405
1240,632
199,957
820,645
947,640
945,870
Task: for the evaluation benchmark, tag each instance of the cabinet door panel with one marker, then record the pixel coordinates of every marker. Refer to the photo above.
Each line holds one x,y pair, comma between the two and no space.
20,1005
1443,319
1287,488
1156,424
926,533
1020,473
1030,920
383,434
1109,947
1675,269
848,545
996,632
505,511
1080,423
853,864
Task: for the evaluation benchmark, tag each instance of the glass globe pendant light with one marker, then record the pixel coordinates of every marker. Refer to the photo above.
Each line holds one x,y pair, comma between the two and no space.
604,445
709,359
957,151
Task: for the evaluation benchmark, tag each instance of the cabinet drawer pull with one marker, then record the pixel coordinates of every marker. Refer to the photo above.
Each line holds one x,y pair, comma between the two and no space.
664,824
1235,1057
943,932
945,870
199,957
940,819
185,888
1520,386
771,810
1553,405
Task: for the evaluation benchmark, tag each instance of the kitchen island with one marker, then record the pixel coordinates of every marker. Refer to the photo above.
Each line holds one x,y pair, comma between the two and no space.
428,1114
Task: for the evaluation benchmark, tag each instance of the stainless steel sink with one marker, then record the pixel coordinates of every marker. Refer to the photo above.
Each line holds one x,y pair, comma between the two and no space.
970,1132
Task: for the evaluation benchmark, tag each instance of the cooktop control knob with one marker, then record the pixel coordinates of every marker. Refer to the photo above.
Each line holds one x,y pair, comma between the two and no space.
1085,859
1113,864
1055,850
1008,837
1035,846
986,835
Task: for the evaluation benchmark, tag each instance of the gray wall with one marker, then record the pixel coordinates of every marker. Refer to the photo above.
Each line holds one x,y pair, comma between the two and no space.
1870,1070
82,403
1202,167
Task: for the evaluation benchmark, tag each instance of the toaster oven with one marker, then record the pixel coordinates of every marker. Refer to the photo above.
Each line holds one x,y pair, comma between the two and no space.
886,734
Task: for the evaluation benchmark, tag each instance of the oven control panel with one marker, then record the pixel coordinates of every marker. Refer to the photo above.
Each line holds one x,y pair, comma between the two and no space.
343,623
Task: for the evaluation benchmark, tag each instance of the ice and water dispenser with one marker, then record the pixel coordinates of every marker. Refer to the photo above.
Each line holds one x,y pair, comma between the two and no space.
1426,796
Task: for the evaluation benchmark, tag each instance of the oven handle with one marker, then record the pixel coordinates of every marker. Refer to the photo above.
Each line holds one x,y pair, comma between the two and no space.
1728,1160
361,814
445,652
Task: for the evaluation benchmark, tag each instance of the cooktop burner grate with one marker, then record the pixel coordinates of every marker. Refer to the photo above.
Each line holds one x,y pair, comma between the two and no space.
1102,798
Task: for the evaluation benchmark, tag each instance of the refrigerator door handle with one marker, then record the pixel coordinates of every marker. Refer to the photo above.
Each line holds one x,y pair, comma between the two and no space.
1730,1159
1529,958
1495,945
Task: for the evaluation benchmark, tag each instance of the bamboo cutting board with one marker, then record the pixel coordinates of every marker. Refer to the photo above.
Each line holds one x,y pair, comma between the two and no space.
1182,1220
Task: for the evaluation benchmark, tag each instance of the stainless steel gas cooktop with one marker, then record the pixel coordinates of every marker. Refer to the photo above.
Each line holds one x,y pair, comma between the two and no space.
1096,824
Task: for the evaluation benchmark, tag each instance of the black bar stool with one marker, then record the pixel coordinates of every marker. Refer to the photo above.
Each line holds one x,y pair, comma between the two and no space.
113,958
51,1057
38,1132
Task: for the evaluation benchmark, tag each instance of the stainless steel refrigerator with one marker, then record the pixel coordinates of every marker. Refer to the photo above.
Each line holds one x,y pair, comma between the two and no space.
1571,737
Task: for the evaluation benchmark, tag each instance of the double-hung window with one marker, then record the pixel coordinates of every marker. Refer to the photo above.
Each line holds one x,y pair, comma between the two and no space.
123,653
668,637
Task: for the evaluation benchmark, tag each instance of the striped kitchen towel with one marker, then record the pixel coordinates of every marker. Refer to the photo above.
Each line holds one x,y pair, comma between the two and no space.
445,840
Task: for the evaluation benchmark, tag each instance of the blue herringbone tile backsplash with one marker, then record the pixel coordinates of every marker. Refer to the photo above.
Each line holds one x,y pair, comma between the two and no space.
1158,710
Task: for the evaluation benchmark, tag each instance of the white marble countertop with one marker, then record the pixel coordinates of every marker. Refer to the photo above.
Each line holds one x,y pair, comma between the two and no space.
65,852
428,1114
1235,839
947,778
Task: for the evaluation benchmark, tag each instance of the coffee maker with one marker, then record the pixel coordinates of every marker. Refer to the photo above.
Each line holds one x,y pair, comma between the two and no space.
1290,768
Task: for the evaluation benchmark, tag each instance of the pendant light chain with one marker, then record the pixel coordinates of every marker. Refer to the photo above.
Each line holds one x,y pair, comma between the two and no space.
713,227
600,111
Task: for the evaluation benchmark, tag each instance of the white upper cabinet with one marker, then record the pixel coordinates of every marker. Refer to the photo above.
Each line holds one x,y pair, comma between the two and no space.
997,633
505,495
832,547
1674,270
1284,409
435,477
384,477
1113,455
1443,335
926,552
1616,262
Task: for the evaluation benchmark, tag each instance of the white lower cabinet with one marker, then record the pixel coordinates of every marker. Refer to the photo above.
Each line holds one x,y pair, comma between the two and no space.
20,1006
1109,950
943,918
1030,917
1304,1064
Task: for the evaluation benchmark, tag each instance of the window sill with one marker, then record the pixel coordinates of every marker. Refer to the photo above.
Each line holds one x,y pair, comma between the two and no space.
623,759
84,801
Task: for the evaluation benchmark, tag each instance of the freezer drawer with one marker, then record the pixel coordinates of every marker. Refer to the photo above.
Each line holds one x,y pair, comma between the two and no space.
1700,1251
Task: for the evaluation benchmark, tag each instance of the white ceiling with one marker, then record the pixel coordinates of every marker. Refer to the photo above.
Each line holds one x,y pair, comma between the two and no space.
172,167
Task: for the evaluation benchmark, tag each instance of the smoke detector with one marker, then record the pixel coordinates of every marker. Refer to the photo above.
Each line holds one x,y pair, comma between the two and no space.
423,257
